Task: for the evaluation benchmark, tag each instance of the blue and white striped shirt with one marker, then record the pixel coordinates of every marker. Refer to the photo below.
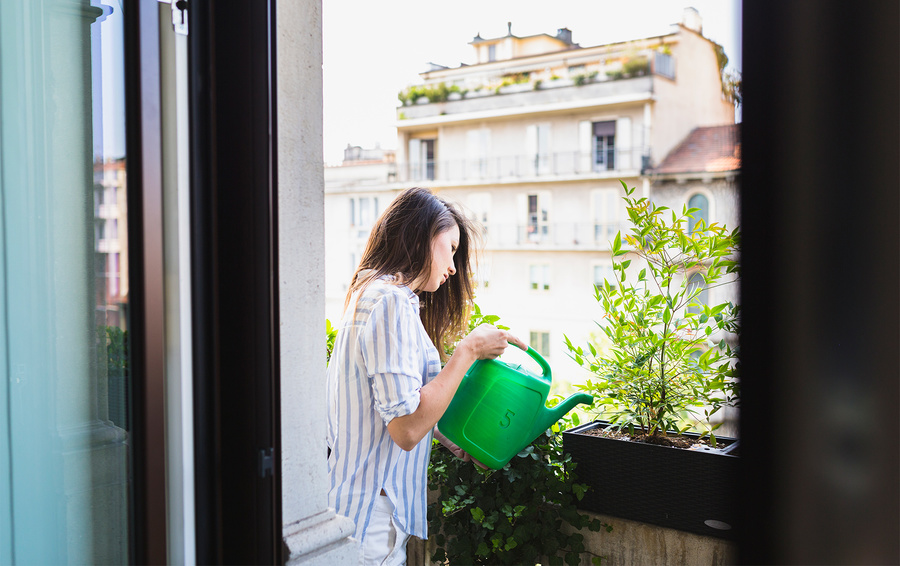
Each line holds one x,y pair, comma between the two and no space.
382,357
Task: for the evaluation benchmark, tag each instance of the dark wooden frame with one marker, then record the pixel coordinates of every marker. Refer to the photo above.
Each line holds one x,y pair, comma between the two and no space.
146,299
234,277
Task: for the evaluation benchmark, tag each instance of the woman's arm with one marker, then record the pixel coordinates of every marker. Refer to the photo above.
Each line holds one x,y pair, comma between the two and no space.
485,342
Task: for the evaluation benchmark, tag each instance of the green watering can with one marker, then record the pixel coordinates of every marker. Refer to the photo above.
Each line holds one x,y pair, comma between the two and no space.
499,409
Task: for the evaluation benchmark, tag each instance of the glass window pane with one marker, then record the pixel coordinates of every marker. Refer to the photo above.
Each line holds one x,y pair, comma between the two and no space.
64,415
698,201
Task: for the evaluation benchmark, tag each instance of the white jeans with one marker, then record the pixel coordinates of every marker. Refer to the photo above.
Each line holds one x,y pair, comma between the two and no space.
384,544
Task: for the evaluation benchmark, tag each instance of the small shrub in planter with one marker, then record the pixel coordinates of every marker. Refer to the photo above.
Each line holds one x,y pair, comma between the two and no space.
669,368
636,66
672,363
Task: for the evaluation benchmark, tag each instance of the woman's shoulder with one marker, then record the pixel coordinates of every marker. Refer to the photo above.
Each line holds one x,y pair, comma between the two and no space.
386,292
384,289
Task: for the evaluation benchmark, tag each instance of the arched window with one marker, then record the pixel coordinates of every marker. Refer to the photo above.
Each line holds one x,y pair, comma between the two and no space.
698,201
694,281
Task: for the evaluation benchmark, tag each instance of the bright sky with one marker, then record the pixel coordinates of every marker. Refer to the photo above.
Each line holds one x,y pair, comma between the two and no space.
374,49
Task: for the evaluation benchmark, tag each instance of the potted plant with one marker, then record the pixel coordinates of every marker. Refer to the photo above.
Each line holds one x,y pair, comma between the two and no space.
669,365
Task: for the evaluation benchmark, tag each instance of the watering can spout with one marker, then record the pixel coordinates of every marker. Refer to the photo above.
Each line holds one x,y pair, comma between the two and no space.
552,415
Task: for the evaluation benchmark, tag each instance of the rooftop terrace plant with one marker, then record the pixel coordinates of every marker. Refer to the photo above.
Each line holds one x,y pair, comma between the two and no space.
672,363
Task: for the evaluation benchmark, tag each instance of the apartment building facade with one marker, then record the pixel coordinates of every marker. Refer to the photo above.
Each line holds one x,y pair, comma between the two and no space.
533,140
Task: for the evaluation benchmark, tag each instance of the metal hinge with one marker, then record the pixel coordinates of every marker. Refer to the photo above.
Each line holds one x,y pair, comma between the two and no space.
266,463
179,15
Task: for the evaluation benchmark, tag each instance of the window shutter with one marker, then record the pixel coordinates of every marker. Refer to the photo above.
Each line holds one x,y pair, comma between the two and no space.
585,146
543,148
624,149
531,149
415,159
521,223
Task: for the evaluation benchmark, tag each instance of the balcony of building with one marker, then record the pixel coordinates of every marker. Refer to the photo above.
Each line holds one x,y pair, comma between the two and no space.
551,236
610,163
616,80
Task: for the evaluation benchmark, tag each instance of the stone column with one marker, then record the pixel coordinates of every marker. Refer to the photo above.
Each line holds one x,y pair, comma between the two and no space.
313,533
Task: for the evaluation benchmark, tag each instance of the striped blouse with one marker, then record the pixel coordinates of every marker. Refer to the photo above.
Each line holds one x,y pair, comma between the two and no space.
382,357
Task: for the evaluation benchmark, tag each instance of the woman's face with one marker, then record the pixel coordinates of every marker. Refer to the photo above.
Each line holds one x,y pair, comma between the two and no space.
443,248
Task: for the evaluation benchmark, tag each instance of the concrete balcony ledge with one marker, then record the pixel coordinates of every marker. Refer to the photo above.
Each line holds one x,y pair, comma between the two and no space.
529,101
629,542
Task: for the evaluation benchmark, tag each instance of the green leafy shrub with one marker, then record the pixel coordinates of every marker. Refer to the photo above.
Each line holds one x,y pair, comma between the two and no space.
434,93
330,335
515,515
671,364
584,78
636,66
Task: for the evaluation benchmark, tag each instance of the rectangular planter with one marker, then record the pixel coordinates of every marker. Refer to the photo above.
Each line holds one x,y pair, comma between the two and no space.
688,490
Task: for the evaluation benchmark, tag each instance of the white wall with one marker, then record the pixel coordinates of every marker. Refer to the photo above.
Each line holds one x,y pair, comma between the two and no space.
313,533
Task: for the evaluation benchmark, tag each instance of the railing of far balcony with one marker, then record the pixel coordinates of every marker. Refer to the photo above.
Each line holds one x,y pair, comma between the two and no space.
519,167
552,235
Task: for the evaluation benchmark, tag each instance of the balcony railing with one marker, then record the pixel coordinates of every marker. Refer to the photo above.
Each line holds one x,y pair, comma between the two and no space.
560,164
569,235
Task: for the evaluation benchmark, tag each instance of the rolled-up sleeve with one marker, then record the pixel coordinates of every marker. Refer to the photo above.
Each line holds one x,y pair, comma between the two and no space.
390,357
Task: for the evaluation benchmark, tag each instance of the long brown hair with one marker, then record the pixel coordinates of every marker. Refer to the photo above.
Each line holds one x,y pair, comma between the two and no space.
400,246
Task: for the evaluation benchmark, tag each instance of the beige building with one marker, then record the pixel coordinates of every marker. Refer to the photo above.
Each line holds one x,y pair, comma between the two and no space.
533,139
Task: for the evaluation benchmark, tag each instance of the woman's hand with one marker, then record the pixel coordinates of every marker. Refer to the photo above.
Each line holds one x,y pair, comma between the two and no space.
487,342
456,450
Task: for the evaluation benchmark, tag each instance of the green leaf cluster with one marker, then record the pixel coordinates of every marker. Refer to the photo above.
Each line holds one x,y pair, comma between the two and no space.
434,93
330,335
114,342
673,362
515,515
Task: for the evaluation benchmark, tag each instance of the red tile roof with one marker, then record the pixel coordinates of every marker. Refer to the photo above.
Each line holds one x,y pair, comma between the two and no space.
705,150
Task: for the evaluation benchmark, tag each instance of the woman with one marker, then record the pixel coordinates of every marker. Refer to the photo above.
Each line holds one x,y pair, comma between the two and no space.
408,300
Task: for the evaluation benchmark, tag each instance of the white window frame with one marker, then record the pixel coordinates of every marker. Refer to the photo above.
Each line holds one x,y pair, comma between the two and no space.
604,268
542,339
537,224
606,215
418,159
537,148
539,277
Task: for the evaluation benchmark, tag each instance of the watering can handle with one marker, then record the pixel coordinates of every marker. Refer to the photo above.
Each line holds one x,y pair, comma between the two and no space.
545,367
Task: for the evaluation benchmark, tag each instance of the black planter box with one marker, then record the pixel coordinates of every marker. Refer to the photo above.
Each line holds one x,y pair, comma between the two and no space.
688,490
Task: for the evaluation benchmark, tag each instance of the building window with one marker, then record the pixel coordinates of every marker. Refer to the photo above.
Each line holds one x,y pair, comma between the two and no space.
694,281
700,202
540,277
538,219
363,211
540,343
480,209
478,143
605,272
492,52
537,139
421,159
604,145
606,215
